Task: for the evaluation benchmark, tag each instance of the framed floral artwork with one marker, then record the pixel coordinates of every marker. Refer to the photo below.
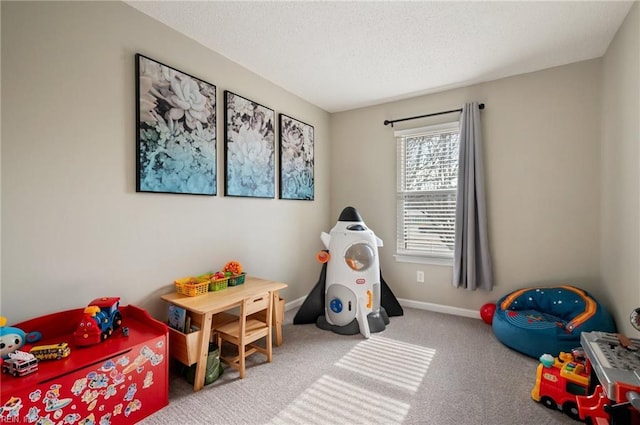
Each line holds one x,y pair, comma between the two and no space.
176,131
296,159
249,148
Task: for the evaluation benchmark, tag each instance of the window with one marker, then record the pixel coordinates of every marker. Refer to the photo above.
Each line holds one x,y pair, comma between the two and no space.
426,198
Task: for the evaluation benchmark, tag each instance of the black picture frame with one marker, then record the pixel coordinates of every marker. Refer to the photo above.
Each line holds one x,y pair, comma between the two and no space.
296,159
176,130
249,154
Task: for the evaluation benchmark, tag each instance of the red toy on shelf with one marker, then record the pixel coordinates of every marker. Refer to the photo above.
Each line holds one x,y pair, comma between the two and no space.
98,322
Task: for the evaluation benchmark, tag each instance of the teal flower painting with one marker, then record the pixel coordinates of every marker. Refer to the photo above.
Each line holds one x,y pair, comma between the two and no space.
250,148
296,159
176,115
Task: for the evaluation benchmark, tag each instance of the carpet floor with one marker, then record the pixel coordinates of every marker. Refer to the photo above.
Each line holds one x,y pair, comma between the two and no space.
424,368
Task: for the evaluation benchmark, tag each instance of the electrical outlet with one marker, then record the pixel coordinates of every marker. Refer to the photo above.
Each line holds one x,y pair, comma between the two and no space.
420,276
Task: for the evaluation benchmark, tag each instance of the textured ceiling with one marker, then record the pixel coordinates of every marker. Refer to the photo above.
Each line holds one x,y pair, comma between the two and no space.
344,55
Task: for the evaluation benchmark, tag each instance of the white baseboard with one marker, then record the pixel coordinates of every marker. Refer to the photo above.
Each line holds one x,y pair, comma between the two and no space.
294,304
420,305
439,308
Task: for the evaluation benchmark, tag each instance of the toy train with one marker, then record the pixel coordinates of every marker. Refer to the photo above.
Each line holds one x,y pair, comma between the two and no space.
99,320
560,380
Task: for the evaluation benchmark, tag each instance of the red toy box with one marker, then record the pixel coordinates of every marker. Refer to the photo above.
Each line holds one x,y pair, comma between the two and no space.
118,381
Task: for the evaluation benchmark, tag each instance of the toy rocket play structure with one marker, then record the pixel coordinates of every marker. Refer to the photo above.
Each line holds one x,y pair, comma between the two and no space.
350,296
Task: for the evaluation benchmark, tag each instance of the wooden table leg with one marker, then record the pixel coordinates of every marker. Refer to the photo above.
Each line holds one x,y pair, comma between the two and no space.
201,365
278,317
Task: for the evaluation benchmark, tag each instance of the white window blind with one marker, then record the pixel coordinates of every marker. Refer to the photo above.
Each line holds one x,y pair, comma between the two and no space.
426,197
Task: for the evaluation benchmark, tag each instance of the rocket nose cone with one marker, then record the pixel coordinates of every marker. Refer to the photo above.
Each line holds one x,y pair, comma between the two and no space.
349,214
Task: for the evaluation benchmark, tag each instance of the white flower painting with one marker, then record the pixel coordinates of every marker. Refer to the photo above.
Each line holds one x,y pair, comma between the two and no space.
250,148
176,116
296,159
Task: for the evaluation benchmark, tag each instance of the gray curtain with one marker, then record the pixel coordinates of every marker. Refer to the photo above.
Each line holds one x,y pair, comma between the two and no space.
471,258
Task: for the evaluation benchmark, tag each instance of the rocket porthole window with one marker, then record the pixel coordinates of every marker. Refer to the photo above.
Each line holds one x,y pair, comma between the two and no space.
359,256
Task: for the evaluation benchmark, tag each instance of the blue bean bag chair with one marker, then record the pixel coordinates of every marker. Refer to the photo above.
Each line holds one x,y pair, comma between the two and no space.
535,321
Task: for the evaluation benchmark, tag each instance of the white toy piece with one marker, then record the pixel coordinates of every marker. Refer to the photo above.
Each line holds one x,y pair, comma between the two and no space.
20,363
21,355
352,290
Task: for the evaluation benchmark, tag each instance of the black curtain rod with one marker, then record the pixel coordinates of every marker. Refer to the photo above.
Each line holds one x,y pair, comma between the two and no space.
387,122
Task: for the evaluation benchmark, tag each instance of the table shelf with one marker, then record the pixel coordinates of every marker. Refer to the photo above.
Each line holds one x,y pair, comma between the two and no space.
184,347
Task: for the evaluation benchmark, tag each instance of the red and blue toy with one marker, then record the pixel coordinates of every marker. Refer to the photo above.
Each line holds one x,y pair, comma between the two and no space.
98,322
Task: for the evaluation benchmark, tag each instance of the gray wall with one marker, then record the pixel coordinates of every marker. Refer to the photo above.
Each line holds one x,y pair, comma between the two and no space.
73,227
542,145
620,179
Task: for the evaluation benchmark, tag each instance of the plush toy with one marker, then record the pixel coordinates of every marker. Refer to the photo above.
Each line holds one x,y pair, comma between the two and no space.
12,339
